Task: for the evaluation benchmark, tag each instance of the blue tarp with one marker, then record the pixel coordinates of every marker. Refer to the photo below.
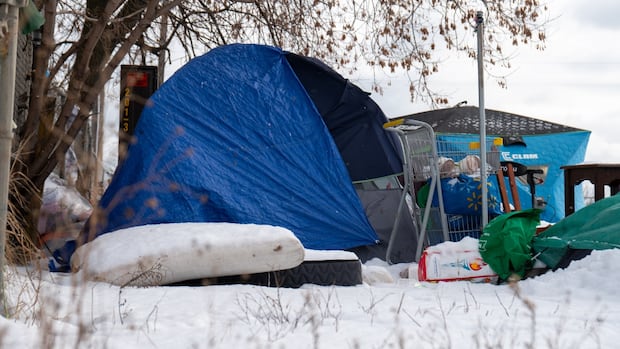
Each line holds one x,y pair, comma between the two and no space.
233,136
535,143
549,151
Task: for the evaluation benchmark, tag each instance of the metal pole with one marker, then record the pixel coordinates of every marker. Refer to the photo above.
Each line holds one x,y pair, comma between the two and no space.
97,184
483,132
161,64
9,11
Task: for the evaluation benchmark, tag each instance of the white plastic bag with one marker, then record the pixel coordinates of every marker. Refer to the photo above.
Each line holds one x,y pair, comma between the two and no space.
455,261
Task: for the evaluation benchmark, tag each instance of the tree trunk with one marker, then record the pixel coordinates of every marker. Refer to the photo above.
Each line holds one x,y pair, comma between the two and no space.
45,141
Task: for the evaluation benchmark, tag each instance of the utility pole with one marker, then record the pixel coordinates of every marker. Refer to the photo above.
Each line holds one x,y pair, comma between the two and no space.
9,12
98,184
163,32
483,123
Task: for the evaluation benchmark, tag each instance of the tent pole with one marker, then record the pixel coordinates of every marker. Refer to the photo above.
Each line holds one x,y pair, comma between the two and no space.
483,145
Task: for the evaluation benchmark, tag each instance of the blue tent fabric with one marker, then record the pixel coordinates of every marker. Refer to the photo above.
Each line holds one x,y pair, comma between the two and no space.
233,136
354,120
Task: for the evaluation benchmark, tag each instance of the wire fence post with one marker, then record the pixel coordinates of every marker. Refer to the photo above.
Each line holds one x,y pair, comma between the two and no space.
9,14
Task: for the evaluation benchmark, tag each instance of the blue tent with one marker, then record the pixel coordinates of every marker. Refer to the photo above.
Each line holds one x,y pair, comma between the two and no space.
253,134
535,143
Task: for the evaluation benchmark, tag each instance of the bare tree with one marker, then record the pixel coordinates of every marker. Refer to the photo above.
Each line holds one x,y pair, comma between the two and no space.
84,43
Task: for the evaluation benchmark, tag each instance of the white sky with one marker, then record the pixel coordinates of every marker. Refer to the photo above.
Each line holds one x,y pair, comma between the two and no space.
574,81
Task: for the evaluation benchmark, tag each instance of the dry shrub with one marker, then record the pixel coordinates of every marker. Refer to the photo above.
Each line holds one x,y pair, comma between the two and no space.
21,240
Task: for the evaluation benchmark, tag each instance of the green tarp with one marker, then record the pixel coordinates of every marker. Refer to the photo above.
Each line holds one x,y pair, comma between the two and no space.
505,243
594,227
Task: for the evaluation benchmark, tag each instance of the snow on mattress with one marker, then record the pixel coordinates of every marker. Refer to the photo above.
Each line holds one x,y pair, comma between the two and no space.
165,253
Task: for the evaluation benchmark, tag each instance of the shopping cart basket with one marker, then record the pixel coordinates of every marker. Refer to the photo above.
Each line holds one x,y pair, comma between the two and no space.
420,165
422,152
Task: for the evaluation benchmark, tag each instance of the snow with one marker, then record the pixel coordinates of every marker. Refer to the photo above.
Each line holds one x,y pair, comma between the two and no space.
573,308
322,255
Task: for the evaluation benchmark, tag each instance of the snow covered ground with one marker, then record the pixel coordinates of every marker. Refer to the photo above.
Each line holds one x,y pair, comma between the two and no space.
573,308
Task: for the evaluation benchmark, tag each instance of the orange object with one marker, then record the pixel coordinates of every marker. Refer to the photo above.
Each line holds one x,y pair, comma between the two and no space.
510,170
502,191
513,187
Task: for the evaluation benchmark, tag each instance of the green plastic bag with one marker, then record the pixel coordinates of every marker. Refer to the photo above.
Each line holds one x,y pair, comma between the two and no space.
506,241
30,18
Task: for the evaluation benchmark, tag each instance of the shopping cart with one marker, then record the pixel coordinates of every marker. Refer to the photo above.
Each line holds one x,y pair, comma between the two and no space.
423,153
420,165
